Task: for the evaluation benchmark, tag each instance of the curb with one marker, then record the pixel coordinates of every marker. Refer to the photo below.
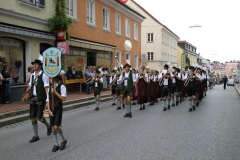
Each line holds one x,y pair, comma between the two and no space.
238,89
22,115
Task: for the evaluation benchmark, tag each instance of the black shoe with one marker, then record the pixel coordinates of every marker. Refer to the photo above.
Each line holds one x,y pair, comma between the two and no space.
168,107
197,104
113,104
173,105
194,108
123,106
118,108
34,139
126,115
143,107
97,109
49,131
55,148
130,115
134,103
190,110
63,145
164,109
177,103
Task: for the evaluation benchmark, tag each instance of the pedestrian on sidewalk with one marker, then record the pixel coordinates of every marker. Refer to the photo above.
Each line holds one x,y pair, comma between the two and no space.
88,76
6,84
60,95
1,89
97,83
225,80
38,87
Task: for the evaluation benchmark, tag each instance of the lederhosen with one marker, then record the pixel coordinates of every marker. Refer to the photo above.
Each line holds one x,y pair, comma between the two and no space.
58,107
98,89
37,103
150,90
174,86
142,90
114,86
166,89
157,90
127,90
192,87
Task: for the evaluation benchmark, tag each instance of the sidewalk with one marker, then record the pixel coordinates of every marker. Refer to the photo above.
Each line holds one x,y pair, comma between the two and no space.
23,105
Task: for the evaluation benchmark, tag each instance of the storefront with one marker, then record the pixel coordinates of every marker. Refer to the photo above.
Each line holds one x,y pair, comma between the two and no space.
84,53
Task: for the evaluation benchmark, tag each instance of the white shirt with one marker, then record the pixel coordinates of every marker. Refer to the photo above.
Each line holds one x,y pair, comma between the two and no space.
111,79
45,79
174,78
151,77
96,83
63,91
165,80
127,75
205,76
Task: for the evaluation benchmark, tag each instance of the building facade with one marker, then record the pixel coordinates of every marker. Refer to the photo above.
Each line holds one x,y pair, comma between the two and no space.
23,36
100,29
189,56
157,41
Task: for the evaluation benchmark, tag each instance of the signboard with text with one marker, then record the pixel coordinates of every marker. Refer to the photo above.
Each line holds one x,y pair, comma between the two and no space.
52,62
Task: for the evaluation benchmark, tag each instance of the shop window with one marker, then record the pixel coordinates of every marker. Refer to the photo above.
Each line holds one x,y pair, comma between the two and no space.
12,54
44,46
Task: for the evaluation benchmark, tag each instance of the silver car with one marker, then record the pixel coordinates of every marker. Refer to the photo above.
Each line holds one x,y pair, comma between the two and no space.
230,82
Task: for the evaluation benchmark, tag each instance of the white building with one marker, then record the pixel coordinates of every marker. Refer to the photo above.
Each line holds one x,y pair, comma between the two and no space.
159,42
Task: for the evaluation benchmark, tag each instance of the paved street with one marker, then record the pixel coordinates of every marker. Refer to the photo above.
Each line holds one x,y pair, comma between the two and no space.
210,132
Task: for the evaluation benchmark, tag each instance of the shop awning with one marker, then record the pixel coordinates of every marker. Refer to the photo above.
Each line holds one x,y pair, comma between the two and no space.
26,32
91,45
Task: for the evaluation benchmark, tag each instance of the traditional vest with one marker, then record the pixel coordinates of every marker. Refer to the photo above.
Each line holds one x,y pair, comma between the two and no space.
40,90
57,101
192,83
130,80
100,85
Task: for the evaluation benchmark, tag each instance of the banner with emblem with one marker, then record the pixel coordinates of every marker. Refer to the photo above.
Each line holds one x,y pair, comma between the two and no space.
52,62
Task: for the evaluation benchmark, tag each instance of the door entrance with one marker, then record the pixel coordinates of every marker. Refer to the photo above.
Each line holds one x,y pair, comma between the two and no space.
91,59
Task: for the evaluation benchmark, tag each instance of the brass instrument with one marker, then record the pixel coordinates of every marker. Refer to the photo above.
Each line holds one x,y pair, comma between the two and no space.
167,75
192,76
112,83
96,78
140,76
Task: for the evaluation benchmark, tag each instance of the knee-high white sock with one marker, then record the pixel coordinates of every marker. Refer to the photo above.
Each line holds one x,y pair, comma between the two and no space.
190,103
61,135
169,101
35,128
54,133
172,99
114,99
165,103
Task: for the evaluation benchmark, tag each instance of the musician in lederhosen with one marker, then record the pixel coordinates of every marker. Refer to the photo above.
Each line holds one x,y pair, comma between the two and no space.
174,86
183,88
157,88
179,85
113,84
119,90
97,83
134,99
142,89
191,84
128,80
166,83
206,78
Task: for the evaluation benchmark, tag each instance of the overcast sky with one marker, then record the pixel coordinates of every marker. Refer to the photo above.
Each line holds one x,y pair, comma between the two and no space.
218,39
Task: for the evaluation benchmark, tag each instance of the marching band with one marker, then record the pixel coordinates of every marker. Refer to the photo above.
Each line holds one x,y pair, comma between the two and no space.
143,85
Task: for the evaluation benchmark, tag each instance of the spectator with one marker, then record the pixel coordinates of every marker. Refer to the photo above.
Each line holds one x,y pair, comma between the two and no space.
88,75
1,89
30,70
225,82
104,79
94,70
6,84
107,76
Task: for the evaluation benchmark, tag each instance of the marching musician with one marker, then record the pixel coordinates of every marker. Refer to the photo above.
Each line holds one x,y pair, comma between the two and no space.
119,92
113,87
128,80
174,86
179,86
183,88
191,84
200,86
97,83
150,89
142,89
206,78
157,88
166,83
134,99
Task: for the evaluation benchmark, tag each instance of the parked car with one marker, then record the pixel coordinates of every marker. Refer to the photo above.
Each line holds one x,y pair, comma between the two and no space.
230,82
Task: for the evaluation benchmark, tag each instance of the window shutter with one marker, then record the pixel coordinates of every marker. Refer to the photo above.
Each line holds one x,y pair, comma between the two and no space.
41,3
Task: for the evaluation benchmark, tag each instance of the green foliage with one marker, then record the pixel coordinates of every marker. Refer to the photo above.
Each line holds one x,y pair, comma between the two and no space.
60,19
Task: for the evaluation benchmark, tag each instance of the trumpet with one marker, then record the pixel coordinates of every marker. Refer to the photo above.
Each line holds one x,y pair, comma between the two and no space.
164,76
89,80
96,78
140,76
113,82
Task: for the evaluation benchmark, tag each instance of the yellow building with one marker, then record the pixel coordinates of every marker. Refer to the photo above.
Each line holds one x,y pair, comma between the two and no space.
180,56
24,34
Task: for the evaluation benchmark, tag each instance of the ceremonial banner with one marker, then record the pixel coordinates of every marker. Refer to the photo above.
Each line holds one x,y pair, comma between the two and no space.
52,62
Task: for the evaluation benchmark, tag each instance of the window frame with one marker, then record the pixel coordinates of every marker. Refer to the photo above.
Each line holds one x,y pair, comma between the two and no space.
135,60
108,19
93,13
128,53
135,31
151,56
162,38
74,8
128,29
119,23
151,37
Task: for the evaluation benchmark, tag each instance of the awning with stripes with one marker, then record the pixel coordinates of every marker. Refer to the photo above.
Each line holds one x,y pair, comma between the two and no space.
26,32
